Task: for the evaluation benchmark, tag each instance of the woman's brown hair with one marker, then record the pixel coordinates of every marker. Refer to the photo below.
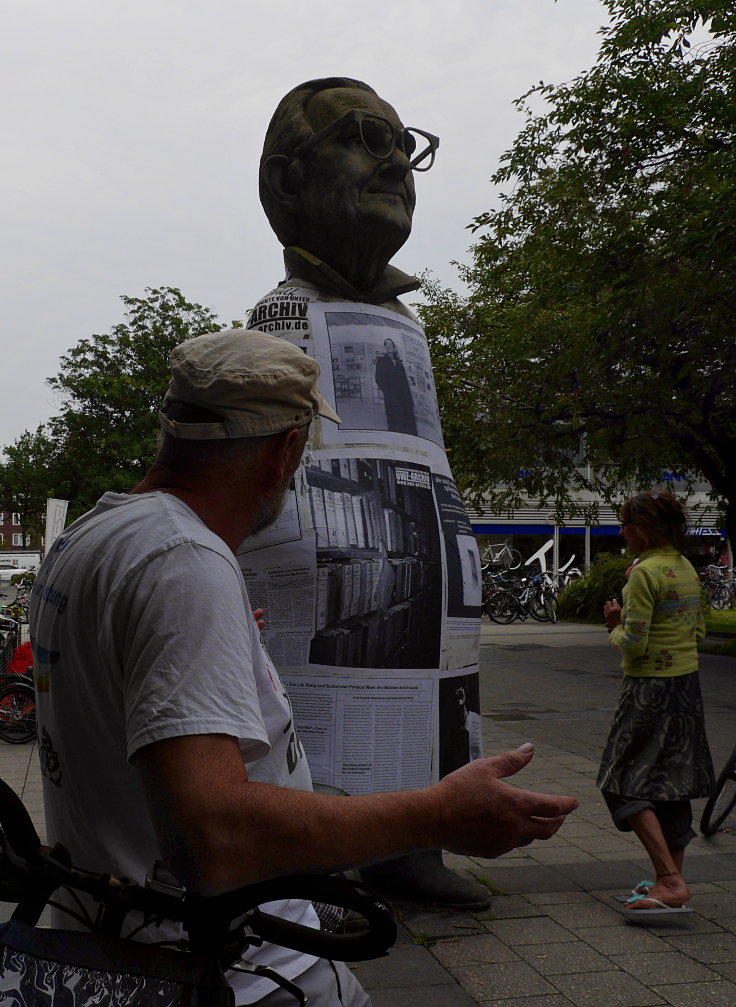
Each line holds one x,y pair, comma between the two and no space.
659,516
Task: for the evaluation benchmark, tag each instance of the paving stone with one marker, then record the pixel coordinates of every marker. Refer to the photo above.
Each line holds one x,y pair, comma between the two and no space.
491,981
564,959
424,996
710,887
610,846
678,926
575,826
663,967
577,917
727,970
555,1000
532,877
539,930
556,898
402,967
707,948
426,923
605,873
510,907
715,904
607,989
562,854
463,950
620,939
715,994
728,885
713,867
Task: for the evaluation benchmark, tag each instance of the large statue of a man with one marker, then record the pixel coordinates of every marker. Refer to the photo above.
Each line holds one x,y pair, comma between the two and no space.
371,580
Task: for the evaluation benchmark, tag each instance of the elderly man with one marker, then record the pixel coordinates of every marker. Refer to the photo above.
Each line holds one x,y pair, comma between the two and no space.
392,549
165,730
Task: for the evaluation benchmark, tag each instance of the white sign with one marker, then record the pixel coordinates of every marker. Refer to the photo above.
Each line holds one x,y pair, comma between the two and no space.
55,519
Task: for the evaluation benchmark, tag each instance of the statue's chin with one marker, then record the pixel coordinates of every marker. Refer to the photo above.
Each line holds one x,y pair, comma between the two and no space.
359,244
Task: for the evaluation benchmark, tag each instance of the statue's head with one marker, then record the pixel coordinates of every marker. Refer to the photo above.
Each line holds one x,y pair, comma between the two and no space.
336,169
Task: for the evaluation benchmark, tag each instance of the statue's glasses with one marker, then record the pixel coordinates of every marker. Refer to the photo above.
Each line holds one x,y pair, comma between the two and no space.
380,138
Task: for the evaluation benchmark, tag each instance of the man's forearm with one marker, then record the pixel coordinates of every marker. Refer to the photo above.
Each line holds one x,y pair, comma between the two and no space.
218,830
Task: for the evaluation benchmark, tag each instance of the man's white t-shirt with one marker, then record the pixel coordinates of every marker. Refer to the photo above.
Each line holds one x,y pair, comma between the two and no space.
142,630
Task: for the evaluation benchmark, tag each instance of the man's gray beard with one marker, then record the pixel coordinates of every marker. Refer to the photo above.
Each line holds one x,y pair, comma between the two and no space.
271,508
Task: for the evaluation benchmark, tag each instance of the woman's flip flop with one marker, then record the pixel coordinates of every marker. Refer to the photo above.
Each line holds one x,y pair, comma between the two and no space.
658,909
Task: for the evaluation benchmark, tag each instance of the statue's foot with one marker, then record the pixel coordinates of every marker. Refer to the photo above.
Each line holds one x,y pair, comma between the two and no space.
423,878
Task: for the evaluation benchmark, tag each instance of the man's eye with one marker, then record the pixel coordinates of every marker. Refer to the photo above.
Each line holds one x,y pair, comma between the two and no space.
378,136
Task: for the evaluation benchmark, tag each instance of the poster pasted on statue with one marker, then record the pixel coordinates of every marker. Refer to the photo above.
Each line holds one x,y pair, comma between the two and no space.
370,578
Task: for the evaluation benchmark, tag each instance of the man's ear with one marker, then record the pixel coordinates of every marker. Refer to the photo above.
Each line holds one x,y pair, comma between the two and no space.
282,177
285,454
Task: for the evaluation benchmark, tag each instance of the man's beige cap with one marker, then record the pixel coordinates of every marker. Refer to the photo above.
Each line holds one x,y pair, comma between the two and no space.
259,384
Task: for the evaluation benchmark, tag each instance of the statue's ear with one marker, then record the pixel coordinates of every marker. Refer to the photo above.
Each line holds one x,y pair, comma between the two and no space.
280,175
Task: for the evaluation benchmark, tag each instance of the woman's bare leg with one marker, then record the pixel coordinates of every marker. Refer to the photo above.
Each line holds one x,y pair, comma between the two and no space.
670,886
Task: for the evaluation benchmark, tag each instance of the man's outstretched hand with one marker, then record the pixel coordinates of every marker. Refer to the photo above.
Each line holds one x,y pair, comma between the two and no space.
486,817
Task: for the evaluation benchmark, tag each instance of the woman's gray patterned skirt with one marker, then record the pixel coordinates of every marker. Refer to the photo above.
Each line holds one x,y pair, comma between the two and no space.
657,747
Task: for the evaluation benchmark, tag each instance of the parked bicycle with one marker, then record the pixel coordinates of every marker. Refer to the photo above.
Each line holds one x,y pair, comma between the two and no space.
721,802
17,694
17,711
532,597
719,587
500,554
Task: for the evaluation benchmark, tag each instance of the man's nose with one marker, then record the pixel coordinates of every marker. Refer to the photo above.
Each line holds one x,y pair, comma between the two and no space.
396,166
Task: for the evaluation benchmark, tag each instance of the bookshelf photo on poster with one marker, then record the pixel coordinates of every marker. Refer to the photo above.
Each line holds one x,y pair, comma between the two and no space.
379,564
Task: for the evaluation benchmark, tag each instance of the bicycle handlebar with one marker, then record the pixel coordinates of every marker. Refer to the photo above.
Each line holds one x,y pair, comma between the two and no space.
33,872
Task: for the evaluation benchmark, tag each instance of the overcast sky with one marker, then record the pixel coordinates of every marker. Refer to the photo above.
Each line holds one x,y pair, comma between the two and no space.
132,134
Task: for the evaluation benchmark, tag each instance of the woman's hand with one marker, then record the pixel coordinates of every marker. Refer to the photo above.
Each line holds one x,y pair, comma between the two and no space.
612,614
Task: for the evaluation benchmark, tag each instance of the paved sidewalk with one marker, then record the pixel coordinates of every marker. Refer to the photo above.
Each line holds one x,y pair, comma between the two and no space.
553,936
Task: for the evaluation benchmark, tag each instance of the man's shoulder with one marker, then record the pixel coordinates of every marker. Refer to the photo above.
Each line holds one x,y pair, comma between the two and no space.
133,527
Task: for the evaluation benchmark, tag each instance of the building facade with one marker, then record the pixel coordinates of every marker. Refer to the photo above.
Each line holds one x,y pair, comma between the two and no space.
528,528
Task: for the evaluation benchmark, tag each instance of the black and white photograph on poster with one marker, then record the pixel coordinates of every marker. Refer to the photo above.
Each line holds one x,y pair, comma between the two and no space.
461,551
467,549
382,374
459,721
379,564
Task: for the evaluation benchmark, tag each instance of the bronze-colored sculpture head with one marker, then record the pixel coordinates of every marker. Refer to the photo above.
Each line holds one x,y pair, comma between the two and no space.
336,175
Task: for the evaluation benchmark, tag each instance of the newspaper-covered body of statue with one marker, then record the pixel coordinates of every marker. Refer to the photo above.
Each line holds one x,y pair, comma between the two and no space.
371,578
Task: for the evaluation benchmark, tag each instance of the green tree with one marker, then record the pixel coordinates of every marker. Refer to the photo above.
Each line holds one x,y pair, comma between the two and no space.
26,480
599,324
111,387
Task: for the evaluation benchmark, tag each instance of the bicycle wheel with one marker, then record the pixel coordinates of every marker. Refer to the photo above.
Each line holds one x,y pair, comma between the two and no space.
502,607
539,608
721,802
721,597
550,605
17,713
512,560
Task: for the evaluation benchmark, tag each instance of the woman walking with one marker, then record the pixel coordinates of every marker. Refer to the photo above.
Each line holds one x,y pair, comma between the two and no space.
657,756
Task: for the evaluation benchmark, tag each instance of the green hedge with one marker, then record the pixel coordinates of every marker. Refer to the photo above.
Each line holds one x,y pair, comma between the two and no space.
582,601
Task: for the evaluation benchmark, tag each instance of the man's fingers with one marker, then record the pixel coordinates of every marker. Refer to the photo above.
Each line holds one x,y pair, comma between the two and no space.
508,763
553,806
545,828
